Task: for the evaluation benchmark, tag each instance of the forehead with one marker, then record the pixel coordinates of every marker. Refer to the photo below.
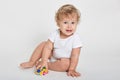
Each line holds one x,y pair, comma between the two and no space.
69,17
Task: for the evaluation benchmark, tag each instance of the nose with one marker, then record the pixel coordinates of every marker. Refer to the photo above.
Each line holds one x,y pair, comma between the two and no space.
69,25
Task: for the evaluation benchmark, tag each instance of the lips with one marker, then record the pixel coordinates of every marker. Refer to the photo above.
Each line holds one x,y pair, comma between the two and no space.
68,30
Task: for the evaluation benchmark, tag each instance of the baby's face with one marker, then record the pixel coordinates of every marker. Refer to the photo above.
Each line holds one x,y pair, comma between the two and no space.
67,26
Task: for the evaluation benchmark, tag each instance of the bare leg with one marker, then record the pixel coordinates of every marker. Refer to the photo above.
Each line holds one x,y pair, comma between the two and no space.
35,56
59,65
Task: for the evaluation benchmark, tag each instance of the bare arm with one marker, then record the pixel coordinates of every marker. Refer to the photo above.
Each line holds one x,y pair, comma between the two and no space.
73,62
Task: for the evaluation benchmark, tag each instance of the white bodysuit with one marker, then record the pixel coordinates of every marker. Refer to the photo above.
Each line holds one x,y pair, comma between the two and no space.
63,47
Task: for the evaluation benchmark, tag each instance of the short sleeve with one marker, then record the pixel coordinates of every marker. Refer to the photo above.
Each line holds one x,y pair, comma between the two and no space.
52,36
77,42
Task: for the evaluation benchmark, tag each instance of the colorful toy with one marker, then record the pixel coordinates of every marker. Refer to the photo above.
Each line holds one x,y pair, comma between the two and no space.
41,72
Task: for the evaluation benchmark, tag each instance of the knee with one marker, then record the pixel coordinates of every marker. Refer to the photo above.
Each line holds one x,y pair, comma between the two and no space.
42,44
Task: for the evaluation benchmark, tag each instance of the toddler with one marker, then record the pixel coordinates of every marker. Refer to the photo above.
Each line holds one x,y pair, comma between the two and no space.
62,49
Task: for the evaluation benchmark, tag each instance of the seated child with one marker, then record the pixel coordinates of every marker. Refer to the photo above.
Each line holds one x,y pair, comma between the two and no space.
63,45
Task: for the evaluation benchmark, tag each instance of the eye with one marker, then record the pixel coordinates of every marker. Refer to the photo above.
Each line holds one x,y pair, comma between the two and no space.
72,22
65,22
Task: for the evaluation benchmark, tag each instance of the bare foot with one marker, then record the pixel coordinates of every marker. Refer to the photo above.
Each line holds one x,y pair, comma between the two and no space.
27,65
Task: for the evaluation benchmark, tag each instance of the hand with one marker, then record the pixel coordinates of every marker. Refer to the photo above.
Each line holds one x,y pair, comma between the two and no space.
41,64
73,73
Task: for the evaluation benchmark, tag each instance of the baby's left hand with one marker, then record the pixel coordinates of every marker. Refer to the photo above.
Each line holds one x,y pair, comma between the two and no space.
73,73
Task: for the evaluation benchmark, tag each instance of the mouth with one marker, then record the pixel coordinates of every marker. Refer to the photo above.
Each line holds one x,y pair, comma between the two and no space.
68,30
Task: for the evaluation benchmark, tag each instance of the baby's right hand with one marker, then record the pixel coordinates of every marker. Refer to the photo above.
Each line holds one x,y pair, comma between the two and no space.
41,64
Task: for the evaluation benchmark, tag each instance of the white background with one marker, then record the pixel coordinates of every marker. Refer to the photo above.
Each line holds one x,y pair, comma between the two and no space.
25,23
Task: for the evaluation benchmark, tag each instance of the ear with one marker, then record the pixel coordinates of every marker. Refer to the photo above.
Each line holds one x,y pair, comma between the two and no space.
58,23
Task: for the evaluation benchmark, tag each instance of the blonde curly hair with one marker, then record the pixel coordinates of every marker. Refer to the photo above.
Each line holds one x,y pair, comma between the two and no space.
66,11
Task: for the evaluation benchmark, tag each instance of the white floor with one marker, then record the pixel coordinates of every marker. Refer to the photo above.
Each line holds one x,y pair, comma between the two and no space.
91,68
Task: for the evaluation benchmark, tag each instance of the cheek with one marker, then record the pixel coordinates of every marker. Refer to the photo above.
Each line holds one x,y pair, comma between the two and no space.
63,26
74,28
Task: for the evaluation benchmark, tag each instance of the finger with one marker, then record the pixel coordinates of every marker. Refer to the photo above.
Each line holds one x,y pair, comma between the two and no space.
38,67
77,74
42,67
37,63
46,67
68,73
72,74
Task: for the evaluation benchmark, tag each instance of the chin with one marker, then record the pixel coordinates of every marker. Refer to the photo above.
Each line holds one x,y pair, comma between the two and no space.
69,34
